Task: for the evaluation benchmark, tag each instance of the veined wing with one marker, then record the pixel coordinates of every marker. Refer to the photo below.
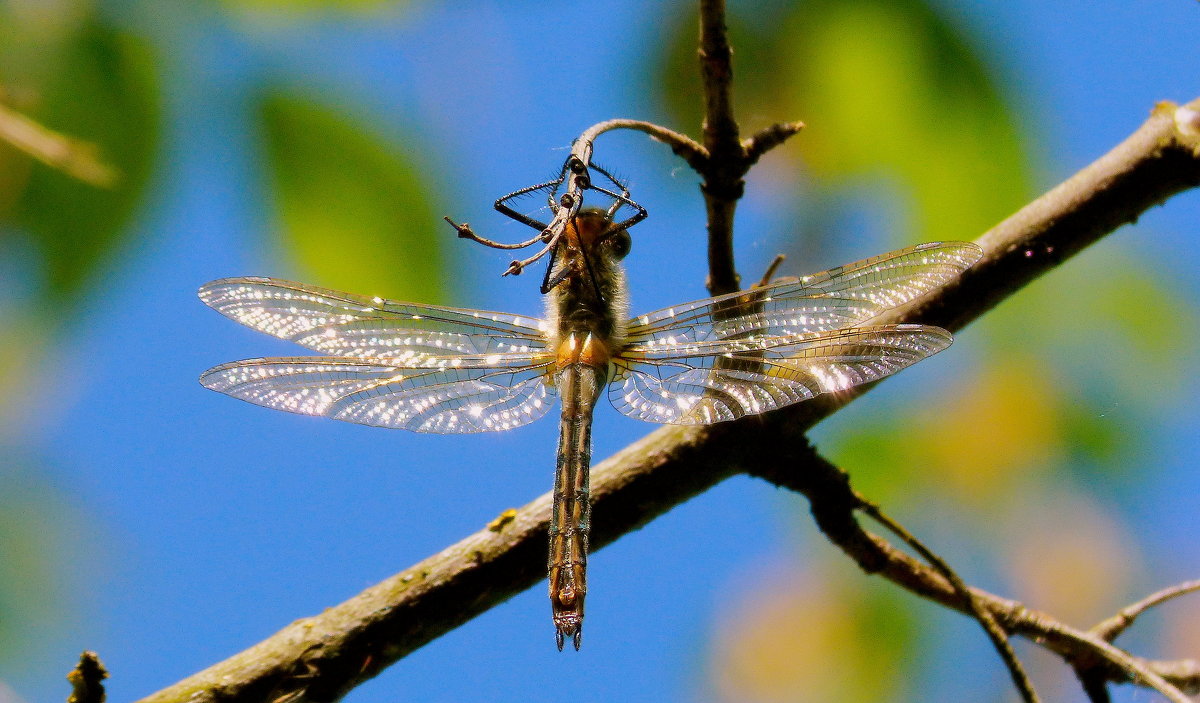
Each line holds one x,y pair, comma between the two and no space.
840,297
342,324
700,383
445,395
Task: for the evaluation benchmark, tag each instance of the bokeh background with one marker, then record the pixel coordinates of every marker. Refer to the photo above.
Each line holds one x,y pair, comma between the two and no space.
1050,455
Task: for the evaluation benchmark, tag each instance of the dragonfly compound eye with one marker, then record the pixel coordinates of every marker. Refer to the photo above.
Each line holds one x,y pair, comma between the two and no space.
620,244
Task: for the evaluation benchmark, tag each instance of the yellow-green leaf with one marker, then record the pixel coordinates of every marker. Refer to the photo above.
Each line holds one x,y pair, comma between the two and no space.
292,10
105,92
354,208
890,89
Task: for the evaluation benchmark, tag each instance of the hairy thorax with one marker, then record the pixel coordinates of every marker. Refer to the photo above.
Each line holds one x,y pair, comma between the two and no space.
588,308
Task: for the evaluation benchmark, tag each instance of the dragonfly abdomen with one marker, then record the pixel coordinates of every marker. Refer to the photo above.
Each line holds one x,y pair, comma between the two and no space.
579,384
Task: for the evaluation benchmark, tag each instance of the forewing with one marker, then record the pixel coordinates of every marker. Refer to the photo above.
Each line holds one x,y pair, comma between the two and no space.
343,324
840,297
447,395
712,381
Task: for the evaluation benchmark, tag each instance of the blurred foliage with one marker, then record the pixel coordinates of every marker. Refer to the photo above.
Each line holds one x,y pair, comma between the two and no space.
888,90
356,211
104,90
33,538
894,93
72,156
285,16
301,8
778,643
942,442
899,99
67,72
1068,554
1106,314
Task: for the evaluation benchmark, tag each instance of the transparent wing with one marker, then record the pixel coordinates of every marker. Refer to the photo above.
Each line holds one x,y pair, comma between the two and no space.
712,381
840,297
447,395
342,324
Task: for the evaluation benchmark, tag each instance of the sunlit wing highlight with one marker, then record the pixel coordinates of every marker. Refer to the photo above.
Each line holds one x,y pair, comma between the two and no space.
342,324
448,395
840,297
714,381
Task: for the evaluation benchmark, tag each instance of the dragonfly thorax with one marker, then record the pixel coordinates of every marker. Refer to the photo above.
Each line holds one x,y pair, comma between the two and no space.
591,299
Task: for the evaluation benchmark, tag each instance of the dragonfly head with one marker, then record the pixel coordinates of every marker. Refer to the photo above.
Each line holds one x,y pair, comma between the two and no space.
592,232
587,259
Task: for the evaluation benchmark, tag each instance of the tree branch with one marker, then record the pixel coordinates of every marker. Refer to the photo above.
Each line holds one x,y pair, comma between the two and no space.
974,606
833,502
322,657
87,680
682,145
1089,670
729,157
1112,628
723,184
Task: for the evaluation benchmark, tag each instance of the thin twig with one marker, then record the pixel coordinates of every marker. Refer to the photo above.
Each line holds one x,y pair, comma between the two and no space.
354,641
1096,688
833,503
73,157
682,145
1112,628
1091,677
87,680
769,138
771,269
729,158
976,608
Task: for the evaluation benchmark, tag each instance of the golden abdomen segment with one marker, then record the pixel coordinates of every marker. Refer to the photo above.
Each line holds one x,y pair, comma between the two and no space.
582,372
583,348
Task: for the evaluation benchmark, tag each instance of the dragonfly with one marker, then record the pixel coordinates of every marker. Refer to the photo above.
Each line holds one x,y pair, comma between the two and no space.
430,368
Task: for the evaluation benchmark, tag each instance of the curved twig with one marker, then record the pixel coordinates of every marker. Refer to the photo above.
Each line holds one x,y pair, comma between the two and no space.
1112,628
682,145
1090,675
976,607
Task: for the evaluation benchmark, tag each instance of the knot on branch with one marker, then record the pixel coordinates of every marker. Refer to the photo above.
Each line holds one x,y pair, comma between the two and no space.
723,189
86,679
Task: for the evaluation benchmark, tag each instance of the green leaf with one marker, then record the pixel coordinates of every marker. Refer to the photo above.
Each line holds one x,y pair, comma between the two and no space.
354,210
891,89
105,91
303,9
37,561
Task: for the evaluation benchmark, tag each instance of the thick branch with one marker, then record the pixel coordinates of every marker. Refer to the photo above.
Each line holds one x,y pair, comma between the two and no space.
322,657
